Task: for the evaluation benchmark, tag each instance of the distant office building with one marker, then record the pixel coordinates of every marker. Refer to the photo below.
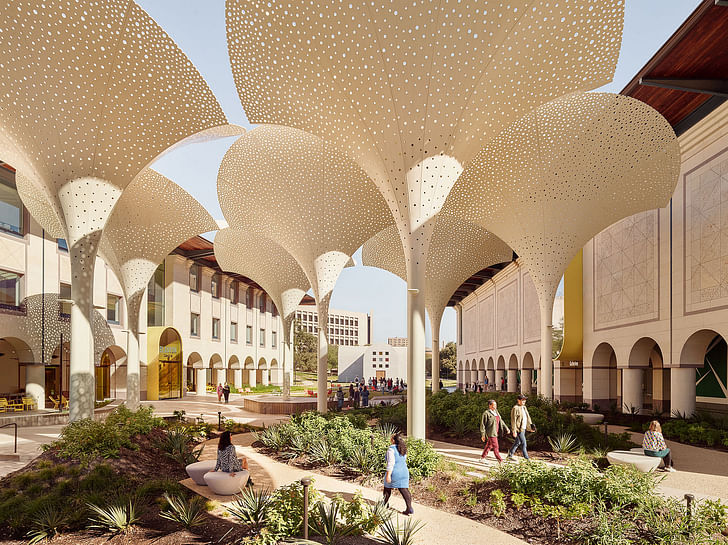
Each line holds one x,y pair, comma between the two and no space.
346,328
376,360
397,341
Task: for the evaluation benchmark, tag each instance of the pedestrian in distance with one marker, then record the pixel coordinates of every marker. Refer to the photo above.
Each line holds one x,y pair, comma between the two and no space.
491,426
219,392
653,444
520,424
441,386
365,397
397,474
226,392
503,384
357,396
339,398
351,392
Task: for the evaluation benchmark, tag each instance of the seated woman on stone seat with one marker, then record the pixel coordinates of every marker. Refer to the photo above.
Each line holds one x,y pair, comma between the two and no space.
227,460
654,445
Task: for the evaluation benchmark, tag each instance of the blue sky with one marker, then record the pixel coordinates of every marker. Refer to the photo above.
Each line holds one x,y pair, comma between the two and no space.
198,27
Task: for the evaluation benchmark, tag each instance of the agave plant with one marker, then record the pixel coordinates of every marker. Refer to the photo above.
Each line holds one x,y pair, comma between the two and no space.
362,459
114,518
322,452
379,514
188,512
272,438
563,443
392,533
599,451
250,507
386,429
327,524
45,524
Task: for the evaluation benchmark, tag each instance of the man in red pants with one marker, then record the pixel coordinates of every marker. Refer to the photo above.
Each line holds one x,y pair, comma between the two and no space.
491,425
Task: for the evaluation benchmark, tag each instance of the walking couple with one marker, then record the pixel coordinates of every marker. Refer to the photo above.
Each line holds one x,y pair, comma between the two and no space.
492,425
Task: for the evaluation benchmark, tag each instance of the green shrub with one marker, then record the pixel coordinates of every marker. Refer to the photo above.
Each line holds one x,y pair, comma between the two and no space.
179,445
392,533
114,518
422,459
189,512
284,516
45,524
329,524
251,507
497,503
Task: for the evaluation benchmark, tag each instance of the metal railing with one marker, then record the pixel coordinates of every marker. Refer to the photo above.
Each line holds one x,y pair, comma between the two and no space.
15,448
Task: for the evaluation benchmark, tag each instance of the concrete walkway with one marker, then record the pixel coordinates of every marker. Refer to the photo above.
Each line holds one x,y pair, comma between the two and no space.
701,484
441,528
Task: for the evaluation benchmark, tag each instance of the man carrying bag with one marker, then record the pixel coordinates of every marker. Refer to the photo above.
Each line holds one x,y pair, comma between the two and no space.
520,424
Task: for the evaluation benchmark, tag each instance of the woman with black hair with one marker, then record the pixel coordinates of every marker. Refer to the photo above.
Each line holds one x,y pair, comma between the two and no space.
397,475
227,461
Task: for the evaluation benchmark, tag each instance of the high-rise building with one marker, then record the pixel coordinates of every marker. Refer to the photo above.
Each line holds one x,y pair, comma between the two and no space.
397,341
346,328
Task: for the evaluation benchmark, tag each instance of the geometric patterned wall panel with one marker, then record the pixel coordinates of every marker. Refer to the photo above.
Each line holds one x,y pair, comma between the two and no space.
531,312
706,235
508,315
626,271
470,329
487,325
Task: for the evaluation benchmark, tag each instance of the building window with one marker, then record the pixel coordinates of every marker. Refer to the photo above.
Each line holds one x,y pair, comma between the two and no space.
262,337
113,308
216,328
233,332
248,334
249,298
261,307
9,288
273,310
155,298
11,207
194,325
62,244
234,289
195,278
273,338
215,286
65,293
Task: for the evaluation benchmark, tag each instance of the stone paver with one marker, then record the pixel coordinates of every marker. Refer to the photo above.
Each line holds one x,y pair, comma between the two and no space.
441,527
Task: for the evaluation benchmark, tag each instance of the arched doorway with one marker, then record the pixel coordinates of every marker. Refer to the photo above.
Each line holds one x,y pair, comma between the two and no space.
500,374
233,373
602,379
512,377
701,375
108,372
18,372
262,375
170,364
490,373
195,379
251,375
276,373
646,384
527,374
58,372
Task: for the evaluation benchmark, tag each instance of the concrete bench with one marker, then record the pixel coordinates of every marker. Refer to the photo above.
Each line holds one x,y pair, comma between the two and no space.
635,458
197,470
591,418
226,484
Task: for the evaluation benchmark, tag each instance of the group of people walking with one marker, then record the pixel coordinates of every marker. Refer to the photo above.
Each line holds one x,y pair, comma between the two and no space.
358,394
223,391
492,425
486,385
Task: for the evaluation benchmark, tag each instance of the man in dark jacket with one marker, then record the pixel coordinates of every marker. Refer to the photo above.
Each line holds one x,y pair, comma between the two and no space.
491,425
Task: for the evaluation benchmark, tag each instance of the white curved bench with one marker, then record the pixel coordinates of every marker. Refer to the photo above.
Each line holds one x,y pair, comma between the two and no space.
591,418
197,470
225,484
634,457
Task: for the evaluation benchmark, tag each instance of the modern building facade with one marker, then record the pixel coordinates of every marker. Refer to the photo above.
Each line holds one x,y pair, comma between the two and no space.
377,360
397,341
346,328
198,324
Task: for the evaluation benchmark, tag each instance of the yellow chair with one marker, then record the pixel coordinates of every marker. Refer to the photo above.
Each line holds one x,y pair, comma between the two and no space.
56,402
64,401
5,406
29,403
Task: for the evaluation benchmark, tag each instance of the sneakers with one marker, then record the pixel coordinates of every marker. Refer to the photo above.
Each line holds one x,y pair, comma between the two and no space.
670,469
408,512
510,458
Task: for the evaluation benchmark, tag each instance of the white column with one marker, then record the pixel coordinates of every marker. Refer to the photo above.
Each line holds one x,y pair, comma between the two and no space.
435,326
266,377
481,376
238,378
133,368
491,378
221,377
35,383
499,374
545,373
83,380
416,345
322,370
526,381
252,376
632,389
682,390
512,380
201,382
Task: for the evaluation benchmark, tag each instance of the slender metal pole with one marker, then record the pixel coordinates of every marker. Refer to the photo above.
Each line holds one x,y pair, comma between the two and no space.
219,420
306,482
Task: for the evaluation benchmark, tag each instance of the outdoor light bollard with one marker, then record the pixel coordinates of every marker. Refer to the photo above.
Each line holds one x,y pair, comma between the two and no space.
689,498
606,434
219,421
306,482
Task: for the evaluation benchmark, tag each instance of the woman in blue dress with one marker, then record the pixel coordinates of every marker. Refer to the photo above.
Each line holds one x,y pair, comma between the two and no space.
397,475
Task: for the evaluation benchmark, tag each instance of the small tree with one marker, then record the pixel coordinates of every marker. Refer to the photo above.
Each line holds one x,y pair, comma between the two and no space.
449,359
333,358
305,348
557,339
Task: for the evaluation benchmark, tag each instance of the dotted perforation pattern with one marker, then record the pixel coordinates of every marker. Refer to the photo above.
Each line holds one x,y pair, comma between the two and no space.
153,216
395,83
40,205
307,195
94,89
564,172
